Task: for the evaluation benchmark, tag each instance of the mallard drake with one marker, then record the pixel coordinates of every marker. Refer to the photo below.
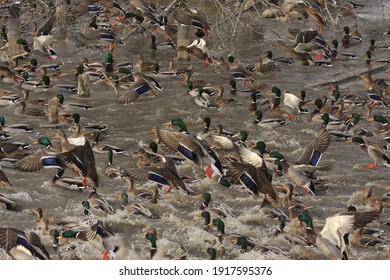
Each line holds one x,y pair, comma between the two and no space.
14,128
96,201
103,148
69,105
140,208
166,74
71,183
218,210
336,55
375,153
192,148
350,39
267,123
172,252
204,100
198,49
293,238
333,240
163,45
101,127
22,245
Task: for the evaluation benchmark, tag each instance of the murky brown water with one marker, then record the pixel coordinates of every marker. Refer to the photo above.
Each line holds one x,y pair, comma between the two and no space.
129,126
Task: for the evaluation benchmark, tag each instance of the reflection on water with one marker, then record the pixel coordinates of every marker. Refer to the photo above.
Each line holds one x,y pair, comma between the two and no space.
129,126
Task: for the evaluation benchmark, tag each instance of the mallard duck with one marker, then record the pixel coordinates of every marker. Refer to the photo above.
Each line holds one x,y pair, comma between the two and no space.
97,126
255,179
204,100
140,208
375,153
69,105
8,75
218,210
368,198
187,17
266,64
142,84
293,238
350,39
79,154
198,49
164,74
43,41
316,17
22,245
267,123
35,112
96,201
103,148
336,55
40,159
220,101
163,45
71,183
192,148
9,203
14,128
169,252
163,173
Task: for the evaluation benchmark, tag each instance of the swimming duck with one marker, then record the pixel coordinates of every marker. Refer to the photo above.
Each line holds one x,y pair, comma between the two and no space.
96,201
14,128
35,112
341,55
266,64
72,106
140,208
267,123
350,39
172,252
218,210
103,148
203,99
71,183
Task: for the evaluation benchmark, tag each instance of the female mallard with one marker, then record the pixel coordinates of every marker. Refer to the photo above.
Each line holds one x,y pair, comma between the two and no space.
43,40
368,198
187,17
35,112
96,201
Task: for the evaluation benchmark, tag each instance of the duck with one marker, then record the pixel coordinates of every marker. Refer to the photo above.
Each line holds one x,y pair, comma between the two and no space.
79,154
103,148
220,101
335,55
141,208
333,239
369,198
198,48
169,252
21,245
375,153
255,180
164,74
96,201
218,210
14,128
186,17
35,112
350,39
316,17
71,106
267,123
192,148
71,183
4,181
204,100
94,126
43,40
266,64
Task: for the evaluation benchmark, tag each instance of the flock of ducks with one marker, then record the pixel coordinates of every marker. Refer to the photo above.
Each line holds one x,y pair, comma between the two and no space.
227,161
